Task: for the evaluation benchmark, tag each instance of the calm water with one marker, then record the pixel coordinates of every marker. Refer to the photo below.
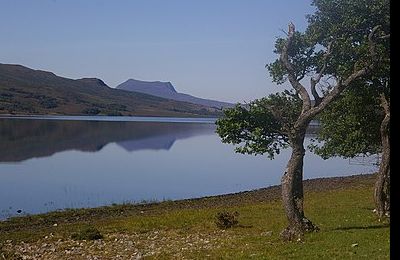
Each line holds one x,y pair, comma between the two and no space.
50,164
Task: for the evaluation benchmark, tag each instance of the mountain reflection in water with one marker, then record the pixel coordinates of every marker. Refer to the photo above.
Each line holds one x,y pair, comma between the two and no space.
82,164
24,139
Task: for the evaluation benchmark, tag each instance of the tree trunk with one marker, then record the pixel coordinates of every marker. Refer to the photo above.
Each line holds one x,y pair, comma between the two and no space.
382,184
292,192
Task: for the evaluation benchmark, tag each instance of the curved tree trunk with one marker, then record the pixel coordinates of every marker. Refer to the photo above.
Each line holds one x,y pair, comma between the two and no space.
382,184
292,192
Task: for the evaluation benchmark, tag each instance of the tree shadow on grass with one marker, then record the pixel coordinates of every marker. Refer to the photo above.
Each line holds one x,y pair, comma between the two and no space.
244,226
363,227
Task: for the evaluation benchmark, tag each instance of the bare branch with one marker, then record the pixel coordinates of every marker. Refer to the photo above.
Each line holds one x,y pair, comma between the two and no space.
291,72
371,43
314,92
341,85
325,62
284,32
303,74
315,81
386,36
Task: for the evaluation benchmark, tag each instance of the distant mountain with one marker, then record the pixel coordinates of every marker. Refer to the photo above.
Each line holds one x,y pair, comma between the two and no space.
167,90
27,91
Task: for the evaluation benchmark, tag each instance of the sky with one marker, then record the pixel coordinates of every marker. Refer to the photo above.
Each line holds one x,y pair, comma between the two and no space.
213,49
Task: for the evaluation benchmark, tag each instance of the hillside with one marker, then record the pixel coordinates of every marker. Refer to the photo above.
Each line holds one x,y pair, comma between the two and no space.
167,90
27,91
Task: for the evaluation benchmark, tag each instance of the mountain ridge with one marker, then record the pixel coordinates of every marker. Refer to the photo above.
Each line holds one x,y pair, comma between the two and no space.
167,90
27,91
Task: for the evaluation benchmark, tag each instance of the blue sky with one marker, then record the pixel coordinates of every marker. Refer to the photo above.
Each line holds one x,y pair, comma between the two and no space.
208,48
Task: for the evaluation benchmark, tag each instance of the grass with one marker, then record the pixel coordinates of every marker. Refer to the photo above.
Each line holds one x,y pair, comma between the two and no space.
349,229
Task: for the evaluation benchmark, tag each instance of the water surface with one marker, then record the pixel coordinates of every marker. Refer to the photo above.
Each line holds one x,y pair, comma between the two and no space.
48,164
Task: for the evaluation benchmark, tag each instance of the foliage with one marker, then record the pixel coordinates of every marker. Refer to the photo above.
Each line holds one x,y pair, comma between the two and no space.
302,55
262,126
225,219
334,45
347,24
350,126
91,111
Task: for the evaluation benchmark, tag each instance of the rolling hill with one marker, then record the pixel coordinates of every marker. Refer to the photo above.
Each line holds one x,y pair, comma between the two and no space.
27,91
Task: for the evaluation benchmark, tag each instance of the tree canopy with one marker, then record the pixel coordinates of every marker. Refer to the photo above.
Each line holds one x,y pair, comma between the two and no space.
351,126
262,126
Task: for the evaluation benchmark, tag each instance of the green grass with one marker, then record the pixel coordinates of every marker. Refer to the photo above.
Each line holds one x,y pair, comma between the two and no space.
348,230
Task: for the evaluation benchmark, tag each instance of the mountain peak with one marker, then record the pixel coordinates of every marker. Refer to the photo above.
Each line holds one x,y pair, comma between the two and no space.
93,81
147,87
167,90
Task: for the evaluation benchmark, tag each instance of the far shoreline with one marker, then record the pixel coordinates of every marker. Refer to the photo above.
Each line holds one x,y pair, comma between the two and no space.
166,119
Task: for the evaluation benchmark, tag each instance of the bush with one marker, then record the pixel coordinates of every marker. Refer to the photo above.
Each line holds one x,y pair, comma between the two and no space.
91,111
87,233
226,219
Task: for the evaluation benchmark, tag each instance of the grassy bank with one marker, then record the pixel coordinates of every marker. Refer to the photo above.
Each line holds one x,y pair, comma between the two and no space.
341,207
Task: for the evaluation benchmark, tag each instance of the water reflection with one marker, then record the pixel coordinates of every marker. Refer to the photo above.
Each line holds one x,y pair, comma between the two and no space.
95,163
24,139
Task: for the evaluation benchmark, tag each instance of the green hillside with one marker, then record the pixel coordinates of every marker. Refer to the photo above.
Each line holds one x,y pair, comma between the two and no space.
27,91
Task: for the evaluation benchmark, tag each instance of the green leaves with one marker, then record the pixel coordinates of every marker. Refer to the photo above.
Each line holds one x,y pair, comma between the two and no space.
347,24
302,56
350,126
262,126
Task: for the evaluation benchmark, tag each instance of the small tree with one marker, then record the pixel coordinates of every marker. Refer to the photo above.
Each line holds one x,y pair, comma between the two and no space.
339,48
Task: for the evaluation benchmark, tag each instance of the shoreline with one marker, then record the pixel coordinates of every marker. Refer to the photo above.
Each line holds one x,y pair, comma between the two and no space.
105,115
187,229
160,119
267,194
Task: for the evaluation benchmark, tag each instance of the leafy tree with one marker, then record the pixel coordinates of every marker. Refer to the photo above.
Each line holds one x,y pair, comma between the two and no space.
340,48
358,124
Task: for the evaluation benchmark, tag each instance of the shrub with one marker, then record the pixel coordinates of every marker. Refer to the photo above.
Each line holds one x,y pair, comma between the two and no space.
87,233
226,219
91,111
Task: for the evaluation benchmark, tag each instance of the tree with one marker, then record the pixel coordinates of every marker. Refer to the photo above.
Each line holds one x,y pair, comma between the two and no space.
358,124
339,48
364,130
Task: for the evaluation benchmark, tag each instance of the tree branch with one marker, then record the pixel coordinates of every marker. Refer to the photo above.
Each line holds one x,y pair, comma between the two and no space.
386,36
291,73
315,81
341,85
384,103
372,44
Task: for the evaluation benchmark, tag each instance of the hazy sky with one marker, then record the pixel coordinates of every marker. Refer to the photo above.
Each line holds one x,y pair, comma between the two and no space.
208,48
